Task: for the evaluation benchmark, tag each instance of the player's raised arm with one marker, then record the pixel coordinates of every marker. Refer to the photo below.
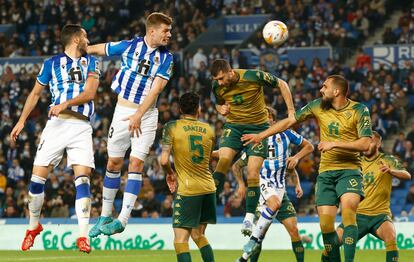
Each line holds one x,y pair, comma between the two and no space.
98,49
287,96
393,166
109,49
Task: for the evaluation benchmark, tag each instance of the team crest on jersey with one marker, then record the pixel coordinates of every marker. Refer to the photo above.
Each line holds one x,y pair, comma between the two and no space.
83,61
156,60
278,140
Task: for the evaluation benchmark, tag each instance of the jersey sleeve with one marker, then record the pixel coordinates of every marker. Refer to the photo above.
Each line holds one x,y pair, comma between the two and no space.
294,137
45,73
268,79
167,134
219,99
393,162
94,66
166,69
363,121
117,48
307,111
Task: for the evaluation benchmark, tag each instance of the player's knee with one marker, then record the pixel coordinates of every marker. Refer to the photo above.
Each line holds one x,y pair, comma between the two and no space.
135,165
195,234
223,165
348,216
114,164
273,203
327,223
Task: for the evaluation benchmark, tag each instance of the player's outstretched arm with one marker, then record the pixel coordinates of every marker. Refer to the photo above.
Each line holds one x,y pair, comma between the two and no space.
287,96
306,149
360,145
29,105
91,86
280,126
98,49
395,172
166,166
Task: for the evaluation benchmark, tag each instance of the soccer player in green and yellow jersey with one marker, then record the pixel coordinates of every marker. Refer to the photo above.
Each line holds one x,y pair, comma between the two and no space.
345,132
191,143
374,214
240,97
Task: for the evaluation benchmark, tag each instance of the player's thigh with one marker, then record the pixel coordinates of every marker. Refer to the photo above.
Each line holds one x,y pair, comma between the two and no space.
80,147
208,211
141,145
287,212
42,171
349,188
272,193
231,136
383,228
52,143
187,211
119,136
196,233
181,235
325,191
261,149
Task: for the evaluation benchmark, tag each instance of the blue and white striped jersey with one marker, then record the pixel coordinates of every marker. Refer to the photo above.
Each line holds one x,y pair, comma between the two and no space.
274,166
140,65
67,77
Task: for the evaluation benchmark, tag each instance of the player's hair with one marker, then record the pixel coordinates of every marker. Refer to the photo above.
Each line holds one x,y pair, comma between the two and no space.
272,112
341,82
69,31
156,19
220,65
189,103
377,135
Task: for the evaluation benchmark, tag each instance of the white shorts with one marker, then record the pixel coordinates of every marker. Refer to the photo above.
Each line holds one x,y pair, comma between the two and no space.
72,135
268,188
120,138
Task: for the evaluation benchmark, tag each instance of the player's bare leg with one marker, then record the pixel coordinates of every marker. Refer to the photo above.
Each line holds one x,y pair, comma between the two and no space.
111,184
36,199
387,233
83,205
254,165
327,215
182,250
132,189
198,236
349,202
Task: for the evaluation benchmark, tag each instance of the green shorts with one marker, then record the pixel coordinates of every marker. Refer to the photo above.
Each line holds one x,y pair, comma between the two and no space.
331,185
286,210
369,224
191,211
232,134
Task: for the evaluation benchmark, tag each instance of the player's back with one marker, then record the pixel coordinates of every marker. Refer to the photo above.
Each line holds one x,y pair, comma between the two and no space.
192,143
66,77
246,97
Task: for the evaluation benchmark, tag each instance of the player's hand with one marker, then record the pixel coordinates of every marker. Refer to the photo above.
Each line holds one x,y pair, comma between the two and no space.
16,130
55,110
134,124
171,182
241,191
224,110
254,139
384,168
326,146
291,162
299,191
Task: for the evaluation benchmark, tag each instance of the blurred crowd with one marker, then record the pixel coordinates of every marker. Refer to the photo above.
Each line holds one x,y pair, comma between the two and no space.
388,93
404,33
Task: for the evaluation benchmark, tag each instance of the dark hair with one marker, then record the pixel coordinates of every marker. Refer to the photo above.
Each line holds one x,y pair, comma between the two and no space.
377,135
341,82
272,112
68,32
220,65
189,103
156,19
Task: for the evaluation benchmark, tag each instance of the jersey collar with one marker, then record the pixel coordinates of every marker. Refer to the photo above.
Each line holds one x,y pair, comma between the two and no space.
372,160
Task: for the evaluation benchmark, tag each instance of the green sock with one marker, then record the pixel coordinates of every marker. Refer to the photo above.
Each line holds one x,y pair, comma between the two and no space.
184,257
298,250
349,240
392,256
324,257
255,256
252,197
207,253
331,243
219,180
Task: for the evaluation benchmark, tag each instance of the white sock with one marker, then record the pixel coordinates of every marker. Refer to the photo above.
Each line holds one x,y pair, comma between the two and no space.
111,186
249,217
263,224
83,204
132,189
36,199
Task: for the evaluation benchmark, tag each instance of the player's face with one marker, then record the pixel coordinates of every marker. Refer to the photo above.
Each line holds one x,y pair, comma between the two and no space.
83,41
162,34
327,91
224,78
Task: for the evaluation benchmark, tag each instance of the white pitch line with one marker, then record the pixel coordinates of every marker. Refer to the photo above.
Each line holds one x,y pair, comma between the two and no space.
79,257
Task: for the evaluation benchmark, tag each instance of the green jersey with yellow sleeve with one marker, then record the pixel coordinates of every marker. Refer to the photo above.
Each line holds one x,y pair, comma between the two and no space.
246,97
191,142
377,185
347,124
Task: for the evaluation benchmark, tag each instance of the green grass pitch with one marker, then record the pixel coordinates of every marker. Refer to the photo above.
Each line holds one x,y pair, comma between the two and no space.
169,255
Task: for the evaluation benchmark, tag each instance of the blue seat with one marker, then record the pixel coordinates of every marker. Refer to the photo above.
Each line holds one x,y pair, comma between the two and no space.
72,211
396,209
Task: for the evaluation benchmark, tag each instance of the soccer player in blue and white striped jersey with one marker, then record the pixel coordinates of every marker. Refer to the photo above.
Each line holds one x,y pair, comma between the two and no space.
145,70
73,78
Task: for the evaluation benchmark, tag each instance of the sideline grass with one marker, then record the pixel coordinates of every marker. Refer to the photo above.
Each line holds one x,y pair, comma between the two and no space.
169,255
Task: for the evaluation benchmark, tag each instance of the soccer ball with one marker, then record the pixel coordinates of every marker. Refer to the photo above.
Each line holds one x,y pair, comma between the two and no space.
275,32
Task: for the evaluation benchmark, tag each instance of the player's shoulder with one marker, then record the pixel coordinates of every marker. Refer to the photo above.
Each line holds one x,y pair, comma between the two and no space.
315,103
357,106
389,157
55,58
171,123
251,74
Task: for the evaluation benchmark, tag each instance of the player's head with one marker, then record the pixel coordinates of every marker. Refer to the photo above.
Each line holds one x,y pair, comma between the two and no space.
189,104
73,34
221,72
158,28
271,114
375,144
333,87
